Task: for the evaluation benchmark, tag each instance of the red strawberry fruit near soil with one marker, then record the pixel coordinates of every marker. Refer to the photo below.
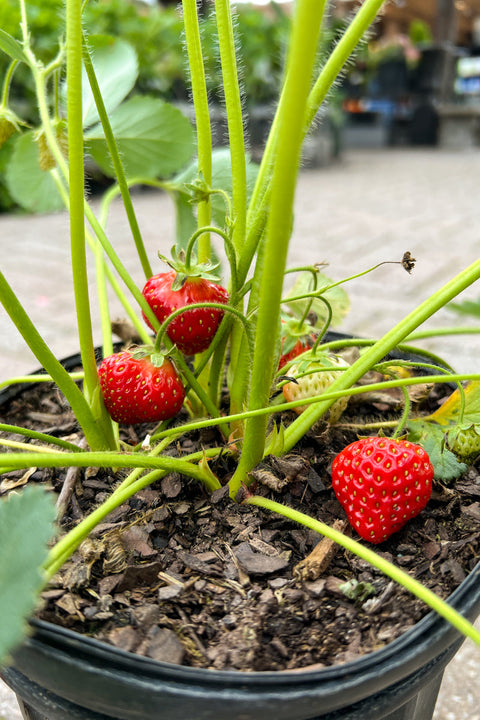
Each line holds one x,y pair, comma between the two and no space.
193,330
137,387
382,483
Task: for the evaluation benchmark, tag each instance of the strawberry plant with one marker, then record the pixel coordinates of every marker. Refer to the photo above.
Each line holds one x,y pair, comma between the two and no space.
241,358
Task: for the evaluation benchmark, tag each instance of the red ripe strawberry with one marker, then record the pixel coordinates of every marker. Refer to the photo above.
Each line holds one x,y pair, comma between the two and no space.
299,348
192,331
136,390
381,484
295,339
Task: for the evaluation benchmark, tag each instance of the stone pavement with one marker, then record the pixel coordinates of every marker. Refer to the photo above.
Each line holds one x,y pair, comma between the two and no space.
369,207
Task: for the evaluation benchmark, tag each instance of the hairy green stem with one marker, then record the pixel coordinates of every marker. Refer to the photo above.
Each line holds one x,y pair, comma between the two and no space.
94,246
233,105
352,36
365,16
399,576
41,437
35,378
301,60
200,306
330,396
77,193
6,83
202,116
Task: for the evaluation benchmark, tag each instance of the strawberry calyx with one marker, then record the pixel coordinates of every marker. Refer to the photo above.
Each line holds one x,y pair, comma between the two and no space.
296,338
185,266
140,352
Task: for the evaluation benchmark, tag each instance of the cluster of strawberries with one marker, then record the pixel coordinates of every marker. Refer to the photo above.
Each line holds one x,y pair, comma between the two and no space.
142,386
381,483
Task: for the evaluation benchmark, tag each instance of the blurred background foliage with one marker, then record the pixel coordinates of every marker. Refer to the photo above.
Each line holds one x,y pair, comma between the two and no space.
156,34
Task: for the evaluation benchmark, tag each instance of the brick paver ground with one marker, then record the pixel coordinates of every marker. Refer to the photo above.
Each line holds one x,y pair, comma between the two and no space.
369,207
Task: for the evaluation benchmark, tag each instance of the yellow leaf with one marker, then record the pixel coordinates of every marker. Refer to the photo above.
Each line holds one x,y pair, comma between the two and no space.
449,412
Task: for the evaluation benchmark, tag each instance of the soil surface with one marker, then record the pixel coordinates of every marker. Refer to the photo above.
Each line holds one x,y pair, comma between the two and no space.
187,578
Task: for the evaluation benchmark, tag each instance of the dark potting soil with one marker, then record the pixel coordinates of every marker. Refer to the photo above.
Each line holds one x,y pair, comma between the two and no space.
187,578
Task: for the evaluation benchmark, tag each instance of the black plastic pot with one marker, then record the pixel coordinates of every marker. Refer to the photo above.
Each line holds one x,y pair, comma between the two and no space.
58,674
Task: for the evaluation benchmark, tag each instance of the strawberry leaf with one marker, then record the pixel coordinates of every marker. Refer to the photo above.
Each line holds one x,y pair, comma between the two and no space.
336,297
26,526
154,138
449,412
432,438
29,185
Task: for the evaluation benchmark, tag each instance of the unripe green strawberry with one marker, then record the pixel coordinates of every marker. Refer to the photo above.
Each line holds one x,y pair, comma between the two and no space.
464,441
315,382
136,390
9,124
46,158
7,129
382,483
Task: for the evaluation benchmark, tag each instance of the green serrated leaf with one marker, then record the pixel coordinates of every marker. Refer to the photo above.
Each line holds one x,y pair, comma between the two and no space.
432,438
116,67
26,526
29,185
336,297
11,46
154,138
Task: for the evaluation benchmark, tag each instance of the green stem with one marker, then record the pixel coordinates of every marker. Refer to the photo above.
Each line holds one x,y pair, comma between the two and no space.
405,414
301,60
41,437
442,332
399,576
330,396
229,250
194,306
202,115
93,244
94,435
7,81
233,107
382,347
117,162
352,36
77,197
368,342
35,378
365,16
109,460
